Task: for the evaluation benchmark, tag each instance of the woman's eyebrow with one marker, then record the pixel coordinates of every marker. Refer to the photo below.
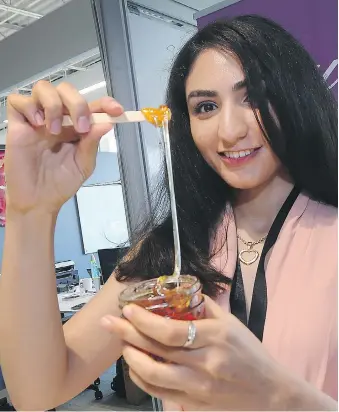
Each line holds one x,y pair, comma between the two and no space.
202,93
212,93
239,85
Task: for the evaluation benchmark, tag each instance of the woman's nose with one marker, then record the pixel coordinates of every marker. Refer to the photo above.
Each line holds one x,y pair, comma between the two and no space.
232,125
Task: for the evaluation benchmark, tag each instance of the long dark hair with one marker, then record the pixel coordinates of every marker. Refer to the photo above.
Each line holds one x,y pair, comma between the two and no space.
280,74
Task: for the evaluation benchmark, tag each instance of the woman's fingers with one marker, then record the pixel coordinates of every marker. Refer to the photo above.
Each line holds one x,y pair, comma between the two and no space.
54,101
66,98
77,107
167,376
48,99
130,334
24,108
106,105
174,396
48,104
169,332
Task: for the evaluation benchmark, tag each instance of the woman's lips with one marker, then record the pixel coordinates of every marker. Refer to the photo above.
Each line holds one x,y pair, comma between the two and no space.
239,158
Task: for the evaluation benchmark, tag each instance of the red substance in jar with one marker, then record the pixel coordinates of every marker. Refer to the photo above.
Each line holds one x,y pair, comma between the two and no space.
171,313
167,299
173,303
194,314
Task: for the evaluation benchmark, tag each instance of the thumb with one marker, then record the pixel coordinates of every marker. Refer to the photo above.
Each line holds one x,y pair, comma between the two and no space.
213,310
87,148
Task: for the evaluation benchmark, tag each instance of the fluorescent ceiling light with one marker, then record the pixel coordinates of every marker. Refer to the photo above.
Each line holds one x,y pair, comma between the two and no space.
22,12
93,87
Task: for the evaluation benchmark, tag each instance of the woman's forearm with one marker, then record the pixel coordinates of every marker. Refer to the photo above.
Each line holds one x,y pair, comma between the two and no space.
32,345
295,394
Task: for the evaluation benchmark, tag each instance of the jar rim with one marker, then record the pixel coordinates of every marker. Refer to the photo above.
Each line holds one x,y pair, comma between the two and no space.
141,290
189,309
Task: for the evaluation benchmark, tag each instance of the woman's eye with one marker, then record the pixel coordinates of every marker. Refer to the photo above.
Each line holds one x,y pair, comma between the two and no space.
249,103
246,100
205,107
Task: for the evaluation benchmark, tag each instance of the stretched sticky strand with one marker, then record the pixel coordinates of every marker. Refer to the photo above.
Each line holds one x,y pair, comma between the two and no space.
160,118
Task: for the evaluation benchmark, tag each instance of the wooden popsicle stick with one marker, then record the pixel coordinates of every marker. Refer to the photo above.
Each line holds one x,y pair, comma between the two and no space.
126,117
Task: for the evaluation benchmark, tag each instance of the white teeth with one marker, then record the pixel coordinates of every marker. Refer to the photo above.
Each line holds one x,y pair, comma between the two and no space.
236,155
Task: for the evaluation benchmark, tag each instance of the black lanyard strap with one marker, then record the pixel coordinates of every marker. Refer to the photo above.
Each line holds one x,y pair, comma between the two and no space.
237,296
256,321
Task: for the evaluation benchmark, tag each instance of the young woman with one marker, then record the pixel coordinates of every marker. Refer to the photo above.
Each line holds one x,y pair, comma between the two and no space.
254,137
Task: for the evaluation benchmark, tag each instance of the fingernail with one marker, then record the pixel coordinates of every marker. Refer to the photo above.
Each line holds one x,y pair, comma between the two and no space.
127,311
114,104
39,119
55,127
83,124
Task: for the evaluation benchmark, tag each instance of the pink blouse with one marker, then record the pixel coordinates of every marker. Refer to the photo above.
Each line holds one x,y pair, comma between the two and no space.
301,328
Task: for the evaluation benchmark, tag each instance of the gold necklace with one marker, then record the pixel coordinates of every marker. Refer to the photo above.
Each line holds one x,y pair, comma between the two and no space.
249,251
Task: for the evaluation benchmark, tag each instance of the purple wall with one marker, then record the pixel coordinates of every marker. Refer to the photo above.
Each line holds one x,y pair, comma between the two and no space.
313,22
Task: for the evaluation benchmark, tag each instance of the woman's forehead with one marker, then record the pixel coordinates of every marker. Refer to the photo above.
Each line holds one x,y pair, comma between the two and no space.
214,70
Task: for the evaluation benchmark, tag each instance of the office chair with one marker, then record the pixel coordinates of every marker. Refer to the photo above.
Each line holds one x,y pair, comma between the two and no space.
4,404
108,259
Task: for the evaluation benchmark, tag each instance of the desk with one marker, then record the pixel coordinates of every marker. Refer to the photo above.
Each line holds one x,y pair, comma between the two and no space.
66,305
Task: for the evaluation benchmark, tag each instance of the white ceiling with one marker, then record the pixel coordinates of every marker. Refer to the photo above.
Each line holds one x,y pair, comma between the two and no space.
17,14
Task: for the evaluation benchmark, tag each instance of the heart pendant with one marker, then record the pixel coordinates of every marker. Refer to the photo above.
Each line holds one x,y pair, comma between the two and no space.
250,253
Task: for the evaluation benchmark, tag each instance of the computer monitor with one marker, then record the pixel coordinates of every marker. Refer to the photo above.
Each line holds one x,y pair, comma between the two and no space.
108,259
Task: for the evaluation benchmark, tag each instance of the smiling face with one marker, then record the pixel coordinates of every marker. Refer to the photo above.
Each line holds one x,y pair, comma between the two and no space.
223,125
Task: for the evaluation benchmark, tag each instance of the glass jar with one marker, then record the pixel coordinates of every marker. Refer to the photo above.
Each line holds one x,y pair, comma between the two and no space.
181,300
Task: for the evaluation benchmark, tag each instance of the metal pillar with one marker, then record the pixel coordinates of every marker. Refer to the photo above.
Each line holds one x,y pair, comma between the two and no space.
112,27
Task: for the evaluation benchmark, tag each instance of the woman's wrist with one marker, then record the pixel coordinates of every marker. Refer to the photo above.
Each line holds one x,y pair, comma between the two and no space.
295,394
33,216
285,392
30,233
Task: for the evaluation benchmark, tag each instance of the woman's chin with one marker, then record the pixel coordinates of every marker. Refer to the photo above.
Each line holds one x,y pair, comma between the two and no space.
250,180
244,184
